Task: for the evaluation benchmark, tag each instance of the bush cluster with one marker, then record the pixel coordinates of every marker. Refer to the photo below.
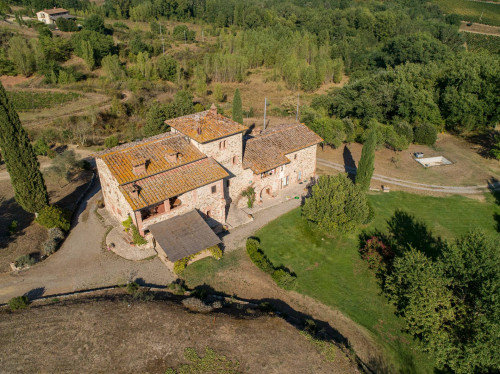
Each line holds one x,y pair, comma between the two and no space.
281,276
425,134
56,235
19,302
137,238
216,252
24,261
376,253
53,216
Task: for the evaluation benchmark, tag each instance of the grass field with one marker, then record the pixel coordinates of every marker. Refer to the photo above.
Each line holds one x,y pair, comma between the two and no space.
472,11
331,271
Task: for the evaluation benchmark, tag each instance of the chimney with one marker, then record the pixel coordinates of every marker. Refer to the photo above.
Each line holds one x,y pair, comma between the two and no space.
135,191
140,168
213,110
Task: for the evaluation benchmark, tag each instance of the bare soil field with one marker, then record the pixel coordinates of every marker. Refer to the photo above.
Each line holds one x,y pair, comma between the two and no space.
120,335
244,279
469,168
479,28
29,236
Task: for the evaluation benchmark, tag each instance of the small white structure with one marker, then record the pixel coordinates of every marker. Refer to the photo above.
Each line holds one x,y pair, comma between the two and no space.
433,161
49,16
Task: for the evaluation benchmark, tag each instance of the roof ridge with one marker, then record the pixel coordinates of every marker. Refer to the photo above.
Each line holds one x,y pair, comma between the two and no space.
142,142
166,170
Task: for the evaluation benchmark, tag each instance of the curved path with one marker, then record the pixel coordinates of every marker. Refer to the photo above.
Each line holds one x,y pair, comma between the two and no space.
466,190
81,263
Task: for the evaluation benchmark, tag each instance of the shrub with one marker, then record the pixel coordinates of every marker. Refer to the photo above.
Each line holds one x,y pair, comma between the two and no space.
111,141
53,216
54,238
20,302
127,223
179,266
404,129
137,238
284,279
132,287
216,252
178,287
376,253
41,147
258,257
13,227
425,134
249,193
25,260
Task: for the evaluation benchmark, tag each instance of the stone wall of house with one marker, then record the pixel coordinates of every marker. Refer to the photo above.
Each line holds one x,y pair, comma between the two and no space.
302,167
202,199
113,199
228,152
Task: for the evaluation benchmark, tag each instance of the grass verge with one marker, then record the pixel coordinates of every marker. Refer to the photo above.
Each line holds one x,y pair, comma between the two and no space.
330,270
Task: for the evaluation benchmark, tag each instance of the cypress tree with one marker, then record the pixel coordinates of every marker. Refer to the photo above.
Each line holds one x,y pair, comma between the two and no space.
27,180
237,107
367,161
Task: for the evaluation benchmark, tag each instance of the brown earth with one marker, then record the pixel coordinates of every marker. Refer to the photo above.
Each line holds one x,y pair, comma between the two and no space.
120,335
29,236
479,28
245,280
469,167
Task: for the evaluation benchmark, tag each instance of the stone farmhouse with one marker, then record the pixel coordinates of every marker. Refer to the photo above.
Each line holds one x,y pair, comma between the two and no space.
49,16
202,165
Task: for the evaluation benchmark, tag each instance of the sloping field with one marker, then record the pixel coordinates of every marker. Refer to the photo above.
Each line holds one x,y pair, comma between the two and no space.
472,11
122,335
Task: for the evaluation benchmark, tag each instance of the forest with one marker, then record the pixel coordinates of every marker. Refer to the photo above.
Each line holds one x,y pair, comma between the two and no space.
409,73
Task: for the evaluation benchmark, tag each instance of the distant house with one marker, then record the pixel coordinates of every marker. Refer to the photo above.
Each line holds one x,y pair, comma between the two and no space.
196,171
49,16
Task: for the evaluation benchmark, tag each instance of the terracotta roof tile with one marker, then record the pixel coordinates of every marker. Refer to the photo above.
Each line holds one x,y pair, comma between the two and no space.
269,149
206,126
182,179
154,152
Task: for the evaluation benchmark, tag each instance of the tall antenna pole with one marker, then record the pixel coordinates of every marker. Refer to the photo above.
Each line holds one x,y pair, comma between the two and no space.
265,108
297,112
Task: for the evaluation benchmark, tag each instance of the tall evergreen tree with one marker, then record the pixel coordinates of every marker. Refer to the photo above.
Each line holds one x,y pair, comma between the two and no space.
27,180
237,107
367,161
155,120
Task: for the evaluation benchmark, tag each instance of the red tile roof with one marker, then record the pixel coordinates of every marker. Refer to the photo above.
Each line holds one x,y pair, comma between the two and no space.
160,187
206,126
269,149
154,152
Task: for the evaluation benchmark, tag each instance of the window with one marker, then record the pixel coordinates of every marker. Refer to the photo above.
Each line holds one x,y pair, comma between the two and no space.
295,157
222,145
214,189
235,160
208,213
299,176
227,183
282,167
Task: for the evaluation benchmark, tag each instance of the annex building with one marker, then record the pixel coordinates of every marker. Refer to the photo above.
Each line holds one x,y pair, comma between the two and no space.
195,172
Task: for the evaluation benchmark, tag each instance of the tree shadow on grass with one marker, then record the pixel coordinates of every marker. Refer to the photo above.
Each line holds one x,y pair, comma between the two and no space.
494,187
349,163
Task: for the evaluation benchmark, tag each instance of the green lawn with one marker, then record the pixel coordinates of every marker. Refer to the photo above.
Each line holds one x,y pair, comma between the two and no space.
472,11
331,271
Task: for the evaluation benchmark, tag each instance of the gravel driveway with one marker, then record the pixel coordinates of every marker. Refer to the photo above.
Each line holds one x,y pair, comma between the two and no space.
80,263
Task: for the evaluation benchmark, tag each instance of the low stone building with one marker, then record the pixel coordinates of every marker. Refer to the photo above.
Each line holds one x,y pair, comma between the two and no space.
203,164
49,16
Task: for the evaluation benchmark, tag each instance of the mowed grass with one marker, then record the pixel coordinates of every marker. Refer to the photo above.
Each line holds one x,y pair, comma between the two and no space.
472,11
330,270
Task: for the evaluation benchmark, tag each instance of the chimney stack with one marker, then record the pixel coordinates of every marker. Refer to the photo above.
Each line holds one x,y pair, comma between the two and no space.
135,191
213,110
140,168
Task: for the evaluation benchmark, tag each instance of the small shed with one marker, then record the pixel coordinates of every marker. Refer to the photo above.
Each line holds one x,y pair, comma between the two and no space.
183,236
